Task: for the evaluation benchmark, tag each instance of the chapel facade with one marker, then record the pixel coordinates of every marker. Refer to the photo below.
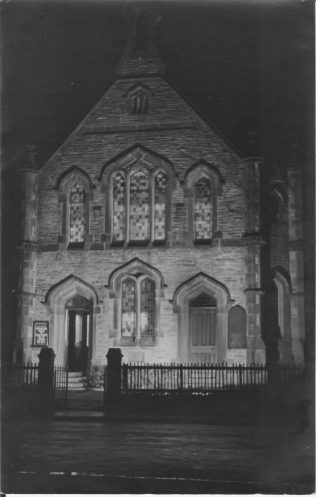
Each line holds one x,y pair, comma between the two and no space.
146,231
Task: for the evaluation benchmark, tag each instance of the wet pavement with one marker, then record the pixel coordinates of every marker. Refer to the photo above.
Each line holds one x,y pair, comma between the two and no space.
107,457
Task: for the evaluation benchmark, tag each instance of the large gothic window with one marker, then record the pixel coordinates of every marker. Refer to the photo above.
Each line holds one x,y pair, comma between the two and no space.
203,210
138,309
76,214
139,207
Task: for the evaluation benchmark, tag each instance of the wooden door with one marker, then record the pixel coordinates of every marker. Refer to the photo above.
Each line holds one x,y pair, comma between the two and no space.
202,340
77,341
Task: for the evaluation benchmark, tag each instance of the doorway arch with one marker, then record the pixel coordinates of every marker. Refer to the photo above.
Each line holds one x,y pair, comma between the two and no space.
202,289
72,295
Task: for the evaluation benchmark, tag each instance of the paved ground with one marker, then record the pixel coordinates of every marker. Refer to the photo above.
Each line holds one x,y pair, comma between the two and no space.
107,457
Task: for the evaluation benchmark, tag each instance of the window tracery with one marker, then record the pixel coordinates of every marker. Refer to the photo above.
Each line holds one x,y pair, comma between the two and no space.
136,288
139,200
138,309
75,194
203,185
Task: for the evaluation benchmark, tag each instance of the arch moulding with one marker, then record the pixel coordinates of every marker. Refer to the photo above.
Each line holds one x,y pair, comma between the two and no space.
56,299
185,293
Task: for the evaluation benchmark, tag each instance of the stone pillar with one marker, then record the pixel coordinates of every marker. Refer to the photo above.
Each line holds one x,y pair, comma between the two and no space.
28,256
253,241
46,378
46,367
296,253
114,357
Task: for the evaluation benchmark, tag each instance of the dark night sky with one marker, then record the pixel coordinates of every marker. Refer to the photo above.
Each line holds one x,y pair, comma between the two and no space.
246,66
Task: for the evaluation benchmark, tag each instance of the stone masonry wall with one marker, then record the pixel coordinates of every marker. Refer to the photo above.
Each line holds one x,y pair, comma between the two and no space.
170,129
227,265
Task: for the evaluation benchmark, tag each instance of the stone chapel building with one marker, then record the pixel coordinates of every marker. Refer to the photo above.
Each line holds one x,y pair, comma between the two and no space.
146,231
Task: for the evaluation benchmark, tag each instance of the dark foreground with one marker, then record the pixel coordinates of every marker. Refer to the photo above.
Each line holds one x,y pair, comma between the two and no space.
50,456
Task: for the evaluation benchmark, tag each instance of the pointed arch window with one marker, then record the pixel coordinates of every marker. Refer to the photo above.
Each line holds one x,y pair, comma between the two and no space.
203,210
75,192
138,310
76,231
203,188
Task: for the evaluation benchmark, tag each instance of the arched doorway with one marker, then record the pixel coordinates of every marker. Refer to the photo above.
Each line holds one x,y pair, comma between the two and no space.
78,333
73,304
203,329
202,304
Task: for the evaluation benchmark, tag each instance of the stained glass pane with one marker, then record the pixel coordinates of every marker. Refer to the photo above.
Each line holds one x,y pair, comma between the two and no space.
77,214
160,207
139,207
203,215
128,308
147,311
118,222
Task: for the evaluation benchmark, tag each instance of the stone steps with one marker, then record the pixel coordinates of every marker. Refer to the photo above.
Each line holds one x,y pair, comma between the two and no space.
75,381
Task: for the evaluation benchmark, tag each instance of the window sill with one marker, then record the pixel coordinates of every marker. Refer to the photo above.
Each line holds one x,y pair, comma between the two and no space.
149,341
75,246
141,342
128,342
206,241
138,243
117,243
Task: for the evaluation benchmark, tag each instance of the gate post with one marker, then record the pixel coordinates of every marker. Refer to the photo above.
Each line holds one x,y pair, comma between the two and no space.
46,377
114,357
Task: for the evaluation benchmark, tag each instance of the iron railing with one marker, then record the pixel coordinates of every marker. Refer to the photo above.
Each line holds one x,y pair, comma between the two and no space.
60,386
22,375
25,376
198,378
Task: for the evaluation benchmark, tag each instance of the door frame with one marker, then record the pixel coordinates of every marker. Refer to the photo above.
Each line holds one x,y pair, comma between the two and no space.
87,312
202,349
186,292
56,300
